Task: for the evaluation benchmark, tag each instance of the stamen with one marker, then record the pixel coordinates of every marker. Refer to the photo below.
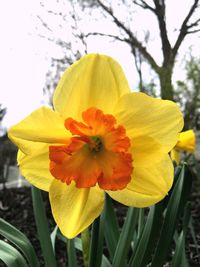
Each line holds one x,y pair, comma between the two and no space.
95,144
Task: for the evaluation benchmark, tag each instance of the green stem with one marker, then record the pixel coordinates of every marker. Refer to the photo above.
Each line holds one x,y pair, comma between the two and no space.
96,244
85,237
43,228
71,252
140,222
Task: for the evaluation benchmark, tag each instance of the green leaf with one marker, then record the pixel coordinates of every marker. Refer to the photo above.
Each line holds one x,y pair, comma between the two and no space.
105,262
185,261
43,228
193,234
186,217
111,227
21,242
53,237
185,226
78,245
126,236
96,243
141,221
85,238
11,256
179,252
71,253
175,206
148,237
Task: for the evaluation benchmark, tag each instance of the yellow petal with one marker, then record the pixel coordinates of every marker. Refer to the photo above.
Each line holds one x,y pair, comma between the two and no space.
175,155
145,150
148,185
35,167
93,81
186,141
43,125
142,115
74,209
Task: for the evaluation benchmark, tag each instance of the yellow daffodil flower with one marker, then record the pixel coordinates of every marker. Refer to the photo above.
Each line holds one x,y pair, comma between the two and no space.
186,143
100,137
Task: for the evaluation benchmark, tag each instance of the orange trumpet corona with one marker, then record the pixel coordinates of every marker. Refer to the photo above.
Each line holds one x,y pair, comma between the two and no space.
97,153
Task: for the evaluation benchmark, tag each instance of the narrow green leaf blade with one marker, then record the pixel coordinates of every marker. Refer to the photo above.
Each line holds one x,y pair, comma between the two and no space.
96,243
11,256
148,237
179,252
125,239
176,203
111,227
193,234
141,222
185,261
78,245
72,262
20,240
186,217
85,238
7,258
53,237
43,228
105,262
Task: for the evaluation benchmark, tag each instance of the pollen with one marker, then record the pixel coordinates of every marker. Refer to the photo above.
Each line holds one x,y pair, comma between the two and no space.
97,153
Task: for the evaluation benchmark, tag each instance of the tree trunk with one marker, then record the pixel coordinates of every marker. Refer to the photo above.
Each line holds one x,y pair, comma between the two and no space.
166,88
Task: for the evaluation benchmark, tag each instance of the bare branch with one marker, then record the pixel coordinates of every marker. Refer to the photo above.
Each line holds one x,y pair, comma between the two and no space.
107,35
144,5
44,24
133,41
138,65
184,28
194,24
161,18
194,31
47,38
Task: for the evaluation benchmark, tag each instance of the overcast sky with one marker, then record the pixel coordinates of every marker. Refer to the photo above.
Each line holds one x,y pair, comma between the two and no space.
25,57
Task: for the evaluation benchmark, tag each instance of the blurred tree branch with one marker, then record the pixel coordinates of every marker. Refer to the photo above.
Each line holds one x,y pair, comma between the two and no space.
127,35
72,48
2,112
158,9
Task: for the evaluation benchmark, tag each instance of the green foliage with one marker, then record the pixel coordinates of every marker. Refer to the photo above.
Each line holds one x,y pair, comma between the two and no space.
43,228
145,239
11,256
149,88
71,252
20,251
187,94
174,208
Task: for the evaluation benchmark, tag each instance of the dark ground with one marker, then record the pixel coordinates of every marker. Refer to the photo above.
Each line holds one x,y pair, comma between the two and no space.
16,208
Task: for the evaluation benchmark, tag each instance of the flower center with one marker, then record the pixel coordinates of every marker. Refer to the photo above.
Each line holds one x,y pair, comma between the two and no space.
97,153
95,144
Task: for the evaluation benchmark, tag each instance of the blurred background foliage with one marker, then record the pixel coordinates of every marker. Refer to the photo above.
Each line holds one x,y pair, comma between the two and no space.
187,93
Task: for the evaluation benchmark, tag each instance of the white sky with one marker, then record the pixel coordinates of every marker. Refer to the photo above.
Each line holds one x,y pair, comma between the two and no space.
22,69
25,58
